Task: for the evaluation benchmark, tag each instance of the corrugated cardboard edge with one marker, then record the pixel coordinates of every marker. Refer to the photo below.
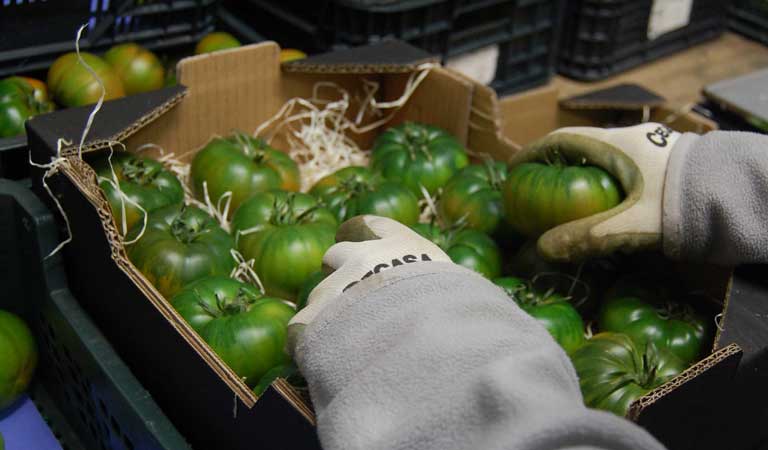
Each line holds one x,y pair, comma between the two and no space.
716,345
360,69
690,373
126,132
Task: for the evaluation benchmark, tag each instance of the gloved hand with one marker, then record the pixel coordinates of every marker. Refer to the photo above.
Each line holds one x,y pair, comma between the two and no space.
367,246
637,156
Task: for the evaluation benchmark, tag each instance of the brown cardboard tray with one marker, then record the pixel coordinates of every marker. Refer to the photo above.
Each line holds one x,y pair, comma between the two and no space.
239,89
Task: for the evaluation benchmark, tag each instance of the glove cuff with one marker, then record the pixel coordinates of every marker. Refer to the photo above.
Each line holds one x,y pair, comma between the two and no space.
672,217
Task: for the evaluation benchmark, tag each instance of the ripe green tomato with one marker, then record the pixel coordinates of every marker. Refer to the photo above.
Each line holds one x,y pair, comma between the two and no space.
181,244
144,181
469,248
614,372
71,84
215,42
20,99
353,191
552,310
286,234
540,196
2,442
415,155
670,326
247,330
473,196
307,288
138,68
18,358
244,166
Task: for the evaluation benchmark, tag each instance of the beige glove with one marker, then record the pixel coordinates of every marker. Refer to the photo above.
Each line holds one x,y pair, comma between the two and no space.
367,246
637,156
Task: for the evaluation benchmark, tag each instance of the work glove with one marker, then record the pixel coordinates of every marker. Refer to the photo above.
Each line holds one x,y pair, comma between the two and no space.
367,247
637,156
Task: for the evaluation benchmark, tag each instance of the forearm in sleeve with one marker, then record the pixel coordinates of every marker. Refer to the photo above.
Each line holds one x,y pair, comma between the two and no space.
431,356
716,198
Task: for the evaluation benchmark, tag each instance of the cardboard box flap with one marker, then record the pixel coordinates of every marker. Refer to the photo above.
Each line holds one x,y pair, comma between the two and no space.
116,120
625,96
390,56
743,321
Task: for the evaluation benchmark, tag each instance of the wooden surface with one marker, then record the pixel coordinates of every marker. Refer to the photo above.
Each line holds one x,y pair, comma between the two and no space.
681,76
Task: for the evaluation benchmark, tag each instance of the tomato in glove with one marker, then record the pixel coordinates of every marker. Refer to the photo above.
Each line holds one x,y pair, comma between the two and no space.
243,165
18,358
180,244
143,181
474,196
138,68
469,248
353,191
671,326
286,234
614,371
71,84
416,155
214,42
552,310
540,196
20,99
246,329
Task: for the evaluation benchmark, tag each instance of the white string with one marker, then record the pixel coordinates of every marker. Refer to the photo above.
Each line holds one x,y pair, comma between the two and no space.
97,108
244,270
427,206
219,211
718,320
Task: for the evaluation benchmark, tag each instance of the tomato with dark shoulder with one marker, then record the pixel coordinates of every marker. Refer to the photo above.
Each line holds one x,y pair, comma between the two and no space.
180,244
216,41
243,165
20,99
614,371
286,234
71,84
245,328
469,248
143,181
540,196
645,314
18,358
552,310
416,155
138,68
473,197
353,191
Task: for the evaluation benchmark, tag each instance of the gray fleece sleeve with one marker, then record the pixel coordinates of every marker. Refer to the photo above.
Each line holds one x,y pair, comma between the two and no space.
432,356
716,198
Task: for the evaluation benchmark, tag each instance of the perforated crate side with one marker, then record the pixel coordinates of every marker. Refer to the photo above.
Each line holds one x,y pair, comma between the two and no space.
78,370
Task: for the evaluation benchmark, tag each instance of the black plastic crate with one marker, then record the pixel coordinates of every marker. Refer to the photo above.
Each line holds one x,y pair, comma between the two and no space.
87,394
525,30
603,37
750,18
34,32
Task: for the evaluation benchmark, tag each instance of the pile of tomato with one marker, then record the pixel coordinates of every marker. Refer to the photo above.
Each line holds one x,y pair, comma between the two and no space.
625,337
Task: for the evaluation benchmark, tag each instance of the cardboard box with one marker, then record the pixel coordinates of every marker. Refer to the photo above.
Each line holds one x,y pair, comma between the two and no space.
239,89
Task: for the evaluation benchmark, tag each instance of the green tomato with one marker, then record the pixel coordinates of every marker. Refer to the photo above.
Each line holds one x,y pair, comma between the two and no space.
353,191
469,248
473,196
247,330
552,310
614,372
180,244
71,84
539,196
308,287
18,358
416,155
20,99
2,442
143,180
244,166
138,68
286,234
674,327
215,42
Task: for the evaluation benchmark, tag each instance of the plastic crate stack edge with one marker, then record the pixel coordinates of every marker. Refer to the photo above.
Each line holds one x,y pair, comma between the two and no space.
82,386
155,24
750,18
